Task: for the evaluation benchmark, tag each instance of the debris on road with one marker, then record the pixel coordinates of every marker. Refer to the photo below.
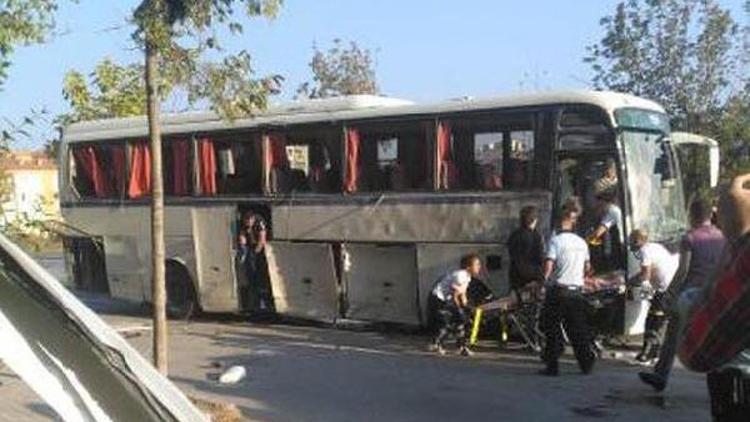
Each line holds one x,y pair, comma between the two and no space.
233,375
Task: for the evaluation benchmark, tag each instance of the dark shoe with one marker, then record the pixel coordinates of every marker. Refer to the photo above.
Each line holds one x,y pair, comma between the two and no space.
654,380
549,372
587,368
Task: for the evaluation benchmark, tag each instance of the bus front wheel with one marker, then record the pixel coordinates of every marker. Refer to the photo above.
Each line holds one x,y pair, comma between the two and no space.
182,302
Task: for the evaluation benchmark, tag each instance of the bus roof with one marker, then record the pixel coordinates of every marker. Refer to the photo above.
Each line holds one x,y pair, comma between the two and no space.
355,107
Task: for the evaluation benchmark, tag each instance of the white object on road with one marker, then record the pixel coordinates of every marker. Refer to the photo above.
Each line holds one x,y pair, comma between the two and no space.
233,375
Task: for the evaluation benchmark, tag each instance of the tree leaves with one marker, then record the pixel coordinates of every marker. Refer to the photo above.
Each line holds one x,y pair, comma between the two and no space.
22,22
341,70
111,90
692,56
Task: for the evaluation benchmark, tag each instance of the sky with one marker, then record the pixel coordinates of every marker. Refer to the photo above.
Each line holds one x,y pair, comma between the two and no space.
425,50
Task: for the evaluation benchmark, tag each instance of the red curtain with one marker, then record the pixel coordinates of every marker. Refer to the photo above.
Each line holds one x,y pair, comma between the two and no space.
351,178
180,167
207,165
277,151
447,174
139,184
118,167
88,163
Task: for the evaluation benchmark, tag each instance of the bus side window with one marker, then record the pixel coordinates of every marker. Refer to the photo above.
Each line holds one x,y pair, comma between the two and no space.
238,166
394,157
520,165
492,152
314,160
488,159
583,127
98,170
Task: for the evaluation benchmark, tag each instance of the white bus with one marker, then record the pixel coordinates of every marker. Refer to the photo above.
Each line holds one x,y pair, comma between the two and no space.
368,199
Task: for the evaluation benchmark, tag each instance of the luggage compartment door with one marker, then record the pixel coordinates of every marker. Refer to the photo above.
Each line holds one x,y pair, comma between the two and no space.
214,255
381,284
303,280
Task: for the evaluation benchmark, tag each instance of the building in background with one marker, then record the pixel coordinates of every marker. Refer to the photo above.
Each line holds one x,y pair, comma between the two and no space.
29,186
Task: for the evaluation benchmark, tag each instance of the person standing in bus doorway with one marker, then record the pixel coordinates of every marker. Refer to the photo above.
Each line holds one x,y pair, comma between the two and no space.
565,267
608,236
658,267
608,181
252,244
526,250
450,304
700,256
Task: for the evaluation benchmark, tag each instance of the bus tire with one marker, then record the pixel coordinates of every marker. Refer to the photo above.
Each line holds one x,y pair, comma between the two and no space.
182,301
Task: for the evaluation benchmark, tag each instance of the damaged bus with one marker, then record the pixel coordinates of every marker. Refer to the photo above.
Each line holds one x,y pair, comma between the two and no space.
368,199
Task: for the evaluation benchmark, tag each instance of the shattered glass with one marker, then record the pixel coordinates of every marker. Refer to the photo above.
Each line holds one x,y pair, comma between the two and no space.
654,185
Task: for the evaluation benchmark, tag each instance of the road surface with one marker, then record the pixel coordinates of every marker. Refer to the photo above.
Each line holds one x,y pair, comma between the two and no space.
299,373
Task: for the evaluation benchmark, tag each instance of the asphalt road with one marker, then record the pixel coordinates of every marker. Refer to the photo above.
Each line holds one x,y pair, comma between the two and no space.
298,373
302,373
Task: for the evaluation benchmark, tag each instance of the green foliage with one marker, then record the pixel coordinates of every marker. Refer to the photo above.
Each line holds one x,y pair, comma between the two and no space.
341,70
112,91
692,56
681,53
181,31
22,22
181,35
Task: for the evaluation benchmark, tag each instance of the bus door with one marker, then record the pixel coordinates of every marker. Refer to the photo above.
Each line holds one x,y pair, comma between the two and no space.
587,179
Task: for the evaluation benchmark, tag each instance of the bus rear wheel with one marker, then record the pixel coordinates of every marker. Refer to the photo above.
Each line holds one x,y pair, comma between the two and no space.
182,301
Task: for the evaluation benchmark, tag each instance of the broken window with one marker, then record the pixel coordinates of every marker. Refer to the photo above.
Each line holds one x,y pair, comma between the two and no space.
583,127
487,152
391,156
178,164
239,165
306,160
98,170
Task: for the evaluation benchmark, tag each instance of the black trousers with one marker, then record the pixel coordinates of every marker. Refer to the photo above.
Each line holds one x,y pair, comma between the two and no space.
730,395
450,320
568,309
655,321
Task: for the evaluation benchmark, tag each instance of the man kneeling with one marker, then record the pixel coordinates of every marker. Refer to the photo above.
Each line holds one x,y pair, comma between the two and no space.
450,304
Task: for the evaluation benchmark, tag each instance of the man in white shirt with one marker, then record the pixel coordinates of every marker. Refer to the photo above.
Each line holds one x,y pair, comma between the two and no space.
608,235
565,267
450,303
658,268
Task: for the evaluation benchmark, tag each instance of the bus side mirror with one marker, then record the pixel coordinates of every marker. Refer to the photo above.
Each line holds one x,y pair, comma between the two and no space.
494,263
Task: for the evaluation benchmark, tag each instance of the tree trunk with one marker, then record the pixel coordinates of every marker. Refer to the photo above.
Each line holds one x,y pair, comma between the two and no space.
158,282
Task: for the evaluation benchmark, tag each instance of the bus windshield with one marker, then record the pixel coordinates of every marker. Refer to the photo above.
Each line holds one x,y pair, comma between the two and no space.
653,182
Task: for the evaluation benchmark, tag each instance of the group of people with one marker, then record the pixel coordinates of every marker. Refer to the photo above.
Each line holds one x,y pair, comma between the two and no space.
701,294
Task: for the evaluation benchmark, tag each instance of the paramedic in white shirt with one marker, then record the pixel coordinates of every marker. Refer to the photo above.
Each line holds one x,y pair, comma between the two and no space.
658,268
450,303
565,267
